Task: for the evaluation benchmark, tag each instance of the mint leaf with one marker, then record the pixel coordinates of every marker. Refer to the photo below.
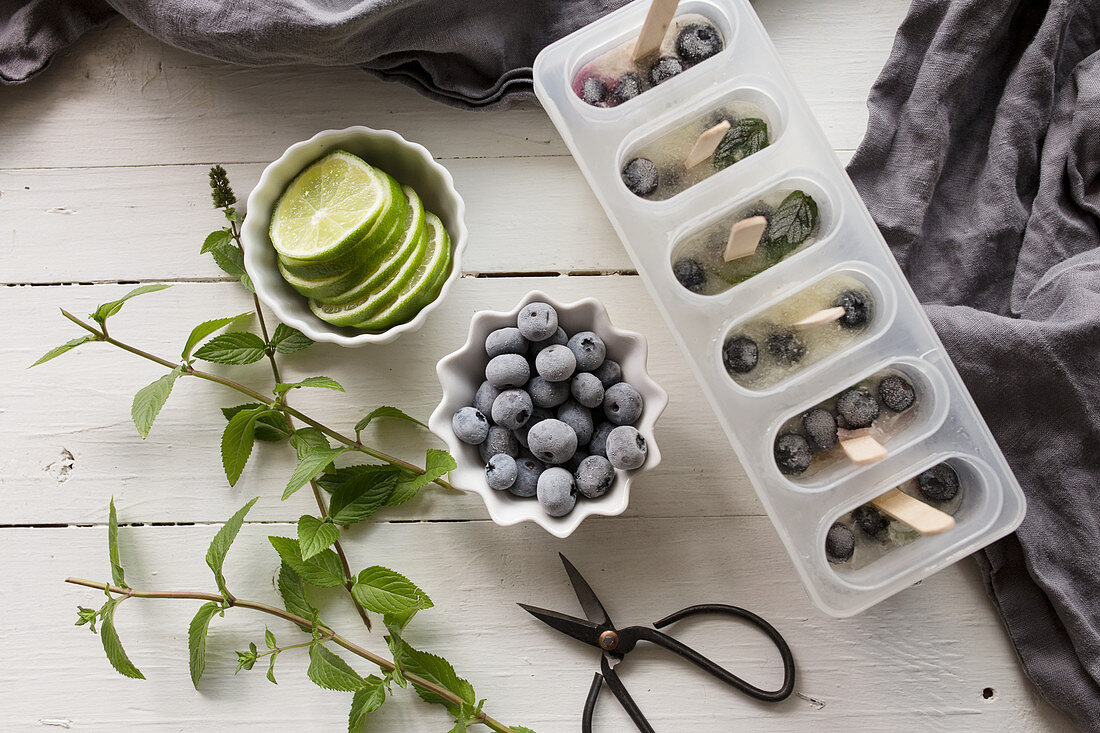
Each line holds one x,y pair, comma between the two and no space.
315,535
792,223
312,462
118,577
362,494
219,546
270,426
59,350
303,439
367,699
335,478
112,646
329,671
105,311
215,240
323,382
521,729
271,668
247,660
149,400
237,440
385,591
322,570
196,639
436,465
398,647
287,340
385,411
204,329
293,591
231,261
238,347
434,669
745,137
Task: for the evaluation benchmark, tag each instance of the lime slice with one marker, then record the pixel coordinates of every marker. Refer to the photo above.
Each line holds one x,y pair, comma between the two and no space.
399,254
325,287
424,285
369,250
328,208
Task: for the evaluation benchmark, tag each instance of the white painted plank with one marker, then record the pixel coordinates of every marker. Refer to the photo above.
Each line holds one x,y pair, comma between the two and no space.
919,661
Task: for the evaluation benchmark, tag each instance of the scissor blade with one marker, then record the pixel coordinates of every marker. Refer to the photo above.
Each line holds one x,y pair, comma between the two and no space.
578,628
593,609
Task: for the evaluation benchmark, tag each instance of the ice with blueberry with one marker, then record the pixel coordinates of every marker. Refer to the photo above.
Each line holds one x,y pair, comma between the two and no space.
798,332
615,77
702,263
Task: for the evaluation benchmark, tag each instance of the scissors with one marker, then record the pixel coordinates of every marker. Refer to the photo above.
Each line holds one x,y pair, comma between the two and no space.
597,630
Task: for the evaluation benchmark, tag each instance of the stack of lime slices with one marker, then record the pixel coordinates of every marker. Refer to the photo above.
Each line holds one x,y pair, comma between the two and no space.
359,244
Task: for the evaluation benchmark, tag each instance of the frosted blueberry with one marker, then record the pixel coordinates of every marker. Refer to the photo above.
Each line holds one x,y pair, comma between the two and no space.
626,448
858,407
528,471
740,355
512,408
896,393
547,394
820,427
629,86
537,415
665,68
579,418
609,373
594,91
486,395
558,338
556,491
507,370
501,471
552,441
597,446
690,273
500,440
575,461
622,404
870,520
537,321
840,544
792,454
594,476
556,363
640,176
470,426
939,483
589,350
786,347
587,389
698,42
505,341
857,308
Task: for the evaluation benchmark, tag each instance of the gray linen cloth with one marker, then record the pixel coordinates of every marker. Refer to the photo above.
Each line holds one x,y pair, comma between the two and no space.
981,166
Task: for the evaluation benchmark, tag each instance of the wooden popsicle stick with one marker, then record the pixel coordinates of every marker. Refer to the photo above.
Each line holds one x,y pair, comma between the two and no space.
744,237
918,515
828,315
706,144
654,29
863,449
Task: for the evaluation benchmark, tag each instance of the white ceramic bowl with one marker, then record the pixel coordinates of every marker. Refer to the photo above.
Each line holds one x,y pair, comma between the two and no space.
408,162
462,372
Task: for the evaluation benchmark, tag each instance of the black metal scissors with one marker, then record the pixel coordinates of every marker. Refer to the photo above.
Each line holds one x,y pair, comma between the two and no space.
615,643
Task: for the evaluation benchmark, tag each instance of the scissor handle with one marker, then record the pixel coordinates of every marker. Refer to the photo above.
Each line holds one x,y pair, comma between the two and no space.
633,634
621,694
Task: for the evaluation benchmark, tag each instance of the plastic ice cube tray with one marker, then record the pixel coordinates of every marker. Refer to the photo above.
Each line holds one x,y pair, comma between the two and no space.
946,425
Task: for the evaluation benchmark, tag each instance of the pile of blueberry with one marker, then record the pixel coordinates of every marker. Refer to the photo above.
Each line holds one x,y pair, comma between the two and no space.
553,417
696,42
938,484
854,408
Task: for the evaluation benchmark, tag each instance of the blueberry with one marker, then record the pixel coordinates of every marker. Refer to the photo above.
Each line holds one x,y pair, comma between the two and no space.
507,370
556,491
626,448
512,409
792,454
486,395
594,476
470,426
547,394
820,427
552,441
505,341
690,274
597,446
589,350
786,347
537,321
640,176
594,91
939,483
629,86
622,404
858,407
857,308
556,363
740,355
579,418
871,521
501,471
896,393
698,42
609,373
575,461
528,471
537,415
558,338
587,389
500,440
840,543
664,69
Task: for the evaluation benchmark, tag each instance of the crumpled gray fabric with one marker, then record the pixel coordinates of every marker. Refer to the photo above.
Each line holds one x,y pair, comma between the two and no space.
467,53
981,166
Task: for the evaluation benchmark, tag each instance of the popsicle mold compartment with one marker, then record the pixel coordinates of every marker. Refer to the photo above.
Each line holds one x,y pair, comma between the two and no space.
943,424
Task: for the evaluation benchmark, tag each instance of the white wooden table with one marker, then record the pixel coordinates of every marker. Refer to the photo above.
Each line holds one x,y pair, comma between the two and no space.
103,184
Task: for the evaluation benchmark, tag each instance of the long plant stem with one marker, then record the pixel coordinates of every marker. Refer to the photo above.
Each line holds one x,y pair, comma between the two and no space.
286,409
303,623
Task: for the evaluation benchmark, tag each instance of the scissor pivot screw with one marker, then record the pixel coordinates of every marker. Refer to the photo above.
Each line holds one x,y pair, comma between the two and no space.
609,640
